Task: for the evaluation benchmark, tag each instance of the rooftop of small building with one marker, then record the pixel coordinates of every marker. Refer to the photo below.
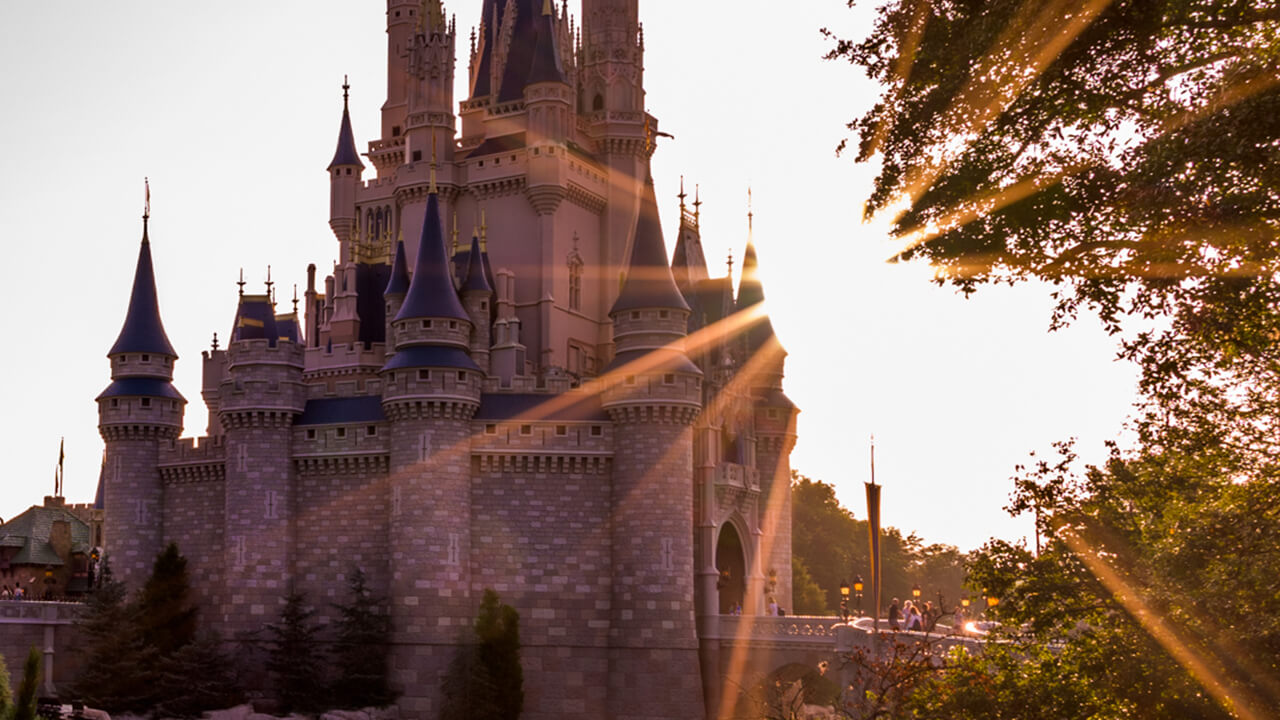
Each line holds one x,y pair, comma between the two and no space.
31,530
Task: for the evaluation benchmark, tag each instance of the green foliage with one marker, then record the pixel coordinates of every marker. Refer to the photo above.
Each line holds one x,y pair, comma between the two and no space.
198,677
832,546
363,643
115,662
296,670
166,615
6,693
485,680
808,598
24,705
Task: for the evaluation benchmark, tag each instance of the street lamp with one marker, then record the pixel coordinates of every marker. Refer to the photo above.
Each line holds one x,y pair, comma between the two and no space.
915,592
992,601
857,589
844,601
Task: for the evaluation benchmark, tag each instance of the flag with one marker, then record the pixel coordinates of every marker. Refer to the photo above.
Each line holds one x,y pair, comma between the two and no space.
147,184
873,531
57,479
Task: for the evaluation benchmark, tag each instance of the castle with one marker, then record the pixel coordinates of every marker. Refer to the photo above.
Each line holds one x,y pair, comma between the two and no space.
548,407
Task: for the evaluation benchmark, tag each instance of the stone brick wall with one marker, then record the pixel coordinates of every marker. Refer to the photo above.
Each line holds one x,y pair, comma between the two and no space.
342,523
133,497
654,670
193,513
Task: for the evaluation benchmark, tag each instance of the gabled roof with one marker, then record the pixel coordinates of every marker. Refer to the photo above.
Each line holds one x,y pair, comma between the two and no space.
649,283
143,332
431,292
31,530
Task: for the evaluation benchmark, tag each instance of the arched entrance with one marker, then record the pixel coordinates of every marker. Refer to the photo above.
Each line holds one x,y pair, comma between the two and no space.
732,564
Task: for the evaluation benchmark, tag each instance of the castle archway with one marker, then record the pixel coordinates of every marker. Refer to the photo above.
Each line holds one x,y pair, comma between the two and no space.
732,563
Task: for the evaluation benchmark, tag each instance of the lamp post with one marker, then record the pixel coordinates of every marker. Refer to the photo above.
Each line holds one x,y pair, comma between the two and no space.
844,601
992,601
857,590
915,592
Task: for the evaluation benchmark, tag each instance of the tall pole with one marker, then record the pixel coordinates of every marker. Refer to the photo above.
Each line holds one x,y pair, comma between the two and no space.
873,531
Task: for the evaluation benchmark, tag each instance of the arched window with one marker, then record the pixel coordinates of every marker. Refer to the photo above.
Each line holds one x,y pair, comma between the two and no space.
598,103
575,281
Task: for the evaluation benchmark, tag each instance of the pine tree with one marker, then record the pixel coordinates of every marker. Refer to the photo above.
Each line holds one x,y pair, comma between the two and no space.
114,669
295,668
197,678
498,631
166,614
363,642
6,694
25,706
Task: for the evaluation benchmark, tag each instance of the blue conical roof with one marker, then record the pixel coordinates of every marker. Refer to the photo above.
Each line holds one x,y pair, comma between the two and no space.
649,282
346,154
399,283
431,293
143,331
476,280
546,66
750,293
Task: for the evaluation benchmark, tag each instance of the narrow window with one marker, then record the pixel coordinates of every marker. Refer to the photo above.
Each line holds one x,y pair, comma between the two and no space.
417,156
424,374
453,324
562,430
395,131
575,282
146,358
490,429
669,379
462,376
630,380
526,429
663,314
146,402
371,431
596,431
311,434
115,402
635,315
342,432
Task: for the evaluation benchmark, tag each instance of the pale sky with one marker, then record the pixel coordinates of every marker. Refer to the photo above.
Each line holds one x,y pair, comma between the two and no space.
232,110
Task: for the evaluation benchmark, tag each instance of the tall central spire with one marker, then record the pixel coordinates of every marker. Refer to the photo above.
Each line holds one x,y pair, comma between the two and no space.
143,331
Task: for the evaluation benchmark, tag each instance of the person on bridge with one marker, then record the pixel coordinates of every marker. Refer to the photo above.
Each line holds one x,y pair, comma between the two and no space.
894,614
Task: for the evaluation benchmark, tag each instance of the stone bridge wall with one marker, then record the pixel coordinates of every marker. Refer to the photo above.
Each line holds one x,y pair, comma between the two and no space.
46,626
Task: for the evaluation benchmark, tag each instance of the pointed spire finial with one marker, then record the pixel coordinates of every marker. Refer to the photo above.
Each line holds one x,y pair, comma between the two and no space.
697,203
346,91
682,195
730,264
241,282
146,207
269,283
750,215
215,342
484,232
295,298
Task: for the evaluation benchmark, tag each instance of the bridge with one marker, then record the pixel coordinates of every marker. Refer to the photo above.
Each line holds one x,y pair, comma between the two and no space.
25,624
747,650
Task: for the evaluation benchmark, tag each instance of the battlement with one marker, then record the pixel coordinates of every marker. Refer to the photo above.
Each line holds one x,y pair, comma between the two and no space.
343,357
261,352
185,451
462,385
141,365
432,331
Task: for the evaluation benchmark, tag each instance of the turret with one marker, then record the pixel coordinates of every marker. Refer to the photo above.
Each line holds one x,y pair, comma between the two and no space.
774,422
477,297
431,390
260,397
430,59
688,263
402,21
139,410
394,293
344,179
652,393
613,50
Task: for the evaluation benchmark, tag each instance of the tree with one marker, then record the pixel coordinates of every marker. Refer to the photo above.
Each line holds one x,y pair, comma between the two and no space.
24,705
295,668
6,693
1124,151
808,598
115,662
363,642
166,615
485,681
196,678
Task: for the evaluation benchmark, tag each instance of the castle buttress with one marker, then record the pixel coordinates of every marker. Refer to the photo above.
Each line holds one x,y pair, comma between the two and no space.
547,406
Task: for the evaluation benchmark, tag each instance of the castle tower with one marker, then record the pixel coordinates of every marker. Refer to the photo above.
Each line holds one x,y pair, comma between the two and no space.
259,399
139,410
613,56
477,296
775,430
429,125
652,393
431,391
344,178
